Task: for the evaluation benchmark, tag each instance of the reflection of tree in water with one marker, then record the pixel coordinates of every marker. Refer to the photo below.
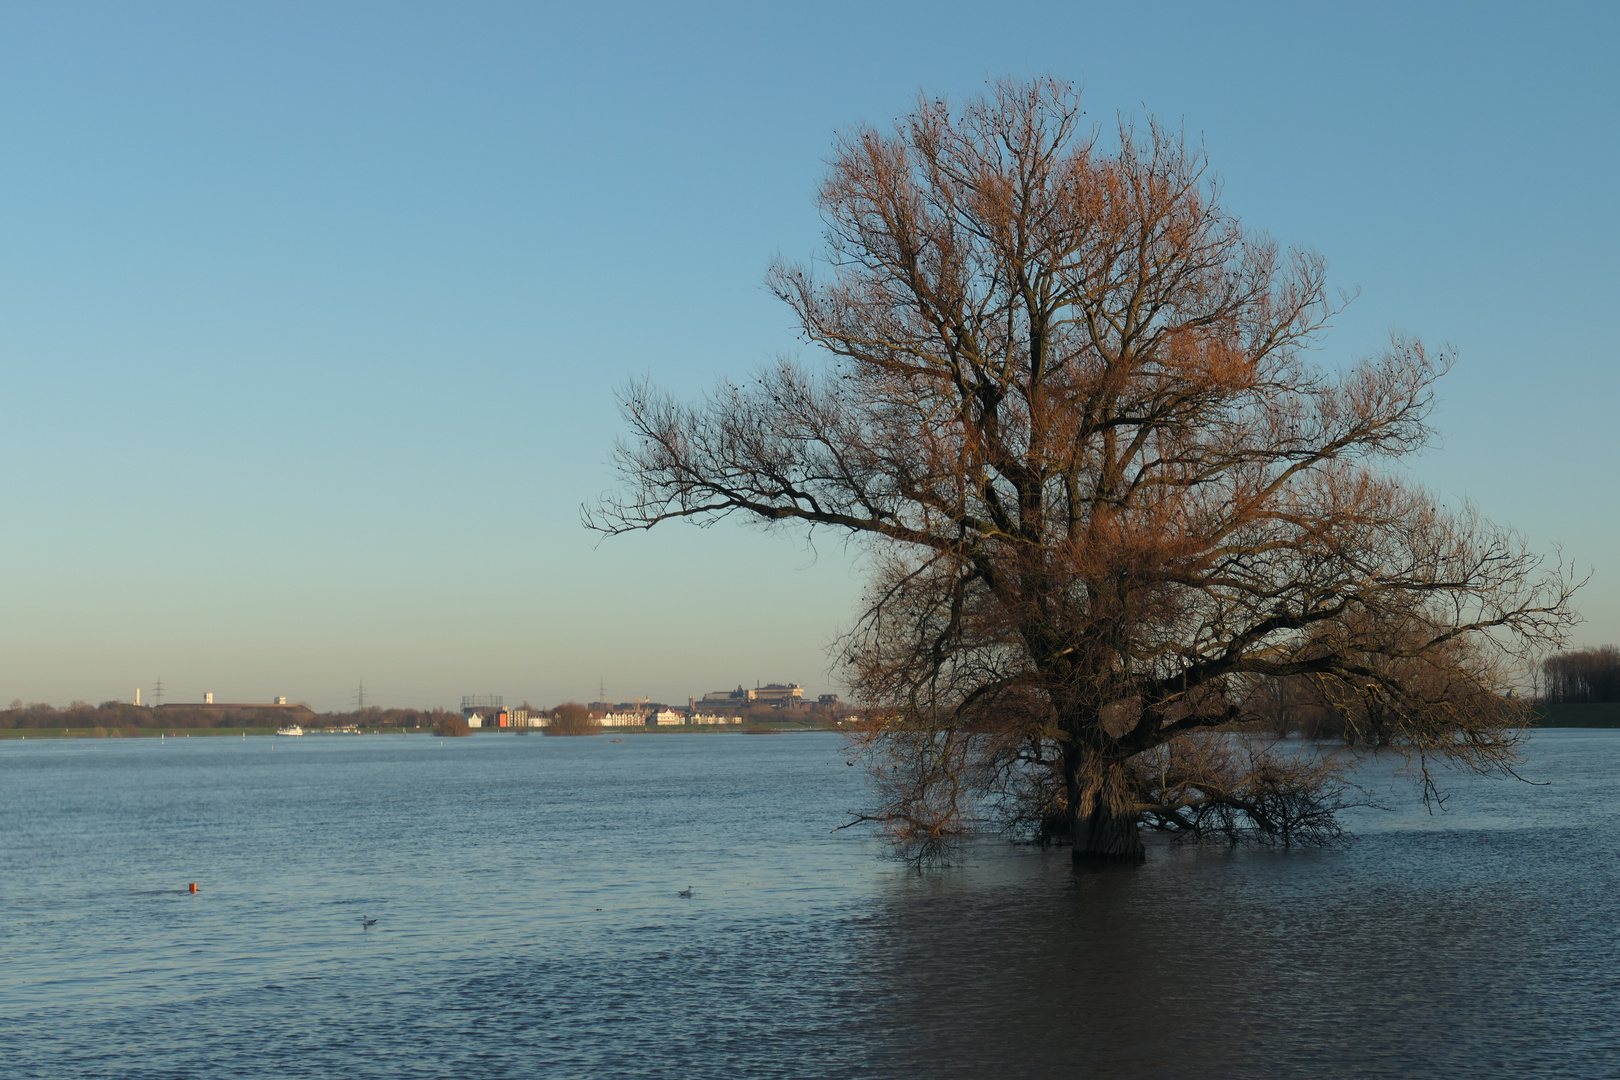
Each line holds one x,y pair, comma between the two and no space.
1443,953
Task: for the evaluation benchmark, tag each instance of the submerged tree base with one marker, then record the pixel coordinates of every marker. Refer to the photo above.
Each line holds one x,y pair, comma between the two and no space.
1089,856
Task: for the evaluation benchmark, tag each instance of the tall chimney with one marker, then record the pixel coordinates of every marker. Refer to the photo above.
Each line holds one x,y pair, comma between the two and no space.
137,695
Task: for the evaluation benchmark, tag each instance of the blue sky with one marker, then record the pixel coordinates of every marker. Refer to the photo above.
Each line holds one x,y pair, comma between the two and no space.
311,314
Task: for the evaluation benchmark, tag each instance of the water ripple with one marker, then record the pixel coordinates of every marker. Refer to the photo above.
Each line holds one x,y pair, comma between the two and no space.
529,924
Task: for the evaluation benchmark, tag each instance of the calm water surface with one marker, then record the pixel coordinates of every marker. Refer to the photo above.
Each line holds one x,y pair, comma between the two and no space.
529,923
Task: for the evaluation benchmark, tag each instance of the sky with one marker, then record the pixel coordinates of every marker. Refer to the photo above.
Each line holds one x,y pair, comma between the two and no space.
312,314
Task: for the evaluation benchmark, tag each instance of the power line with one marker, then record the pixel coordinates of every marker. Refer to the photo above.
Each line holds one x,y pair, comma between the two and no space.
157,692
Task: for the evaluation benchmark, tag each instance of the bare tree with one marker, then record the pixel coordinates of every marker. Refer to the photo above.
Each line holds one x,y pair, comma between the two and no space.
1104,497
572,718
450,724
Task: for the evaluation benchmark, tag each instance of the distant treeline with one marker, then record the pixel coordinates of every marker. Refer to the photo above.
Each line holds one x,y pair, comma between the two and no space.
116,717
1582,677
121,718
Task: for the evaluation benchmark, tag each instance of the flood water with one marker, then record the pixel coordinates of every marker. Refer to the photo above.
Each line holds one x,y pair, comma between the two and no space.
529,923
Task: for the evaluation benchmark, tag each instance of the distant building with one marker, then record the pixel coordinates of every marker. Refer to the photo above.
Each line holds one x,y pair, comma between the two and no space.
624,719
256,712
505,718
484,710
639,705
713,718
777,694
724,699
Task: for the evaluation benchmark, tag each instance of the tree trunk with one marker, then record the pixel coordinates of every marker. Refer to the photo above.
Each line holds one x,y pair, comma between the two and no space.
1102,813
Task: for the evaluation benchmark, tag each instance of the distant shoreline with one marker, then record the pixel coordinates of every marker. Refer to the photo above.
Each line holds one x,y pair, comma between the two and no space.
1605,714
770,727
1601,715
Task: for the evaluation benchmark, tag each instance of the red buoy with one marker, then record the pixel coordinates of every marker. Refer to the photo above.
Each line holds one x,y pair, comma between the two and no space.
193,886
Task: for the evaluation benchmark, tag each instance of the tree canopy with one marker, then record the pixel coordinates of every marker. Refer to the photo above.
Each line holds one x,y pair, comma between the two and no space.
1109,505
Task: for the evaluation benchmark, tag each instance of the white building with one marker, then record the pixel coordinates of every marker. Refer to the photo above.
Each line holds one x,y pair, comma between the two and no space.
712,718
624,719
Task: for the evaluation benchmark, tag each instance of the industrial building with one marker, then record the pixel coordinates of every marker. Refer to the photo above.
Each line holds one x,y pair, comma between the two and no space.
256,712
776,695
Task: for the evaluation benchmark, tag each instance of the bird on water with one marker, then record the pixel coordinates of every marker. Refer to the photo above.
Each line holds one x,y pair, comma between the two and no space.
366,923
686,893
